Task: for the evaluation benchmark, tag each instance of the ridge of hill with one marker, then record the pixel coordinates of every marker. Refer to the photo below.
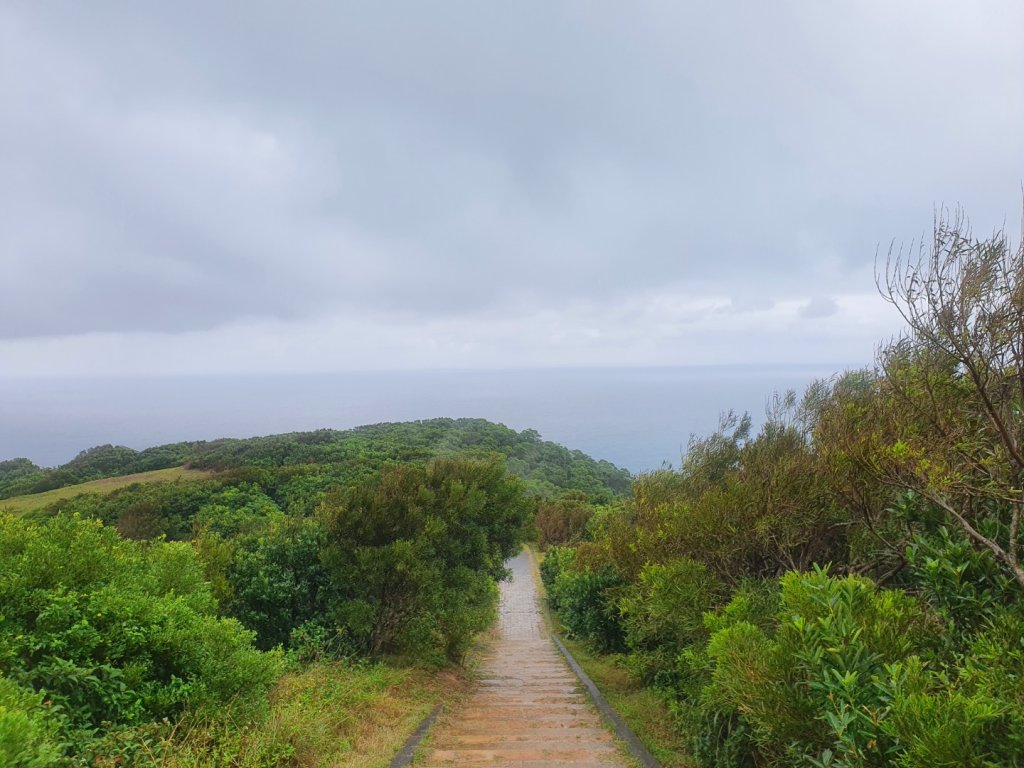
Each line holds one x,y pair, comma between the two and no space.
547,466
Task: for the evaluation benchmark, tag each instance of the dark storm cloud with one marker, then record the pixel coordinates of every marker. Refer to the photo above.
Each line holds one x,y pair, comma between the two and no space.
182,166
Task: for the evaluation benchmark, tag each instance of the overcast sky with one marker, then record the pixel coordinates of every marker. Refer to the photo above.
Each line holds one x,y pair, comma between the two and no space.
197,187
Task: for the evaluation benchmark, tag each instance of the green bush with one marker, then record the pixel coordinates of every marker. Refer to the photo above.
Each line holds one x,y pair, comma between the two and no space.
993,667
930,722
556,560
663,614
237,510
967,586
276,580
810,689
755,601
718,736
820,671
116,633
28,728
587,606
411,556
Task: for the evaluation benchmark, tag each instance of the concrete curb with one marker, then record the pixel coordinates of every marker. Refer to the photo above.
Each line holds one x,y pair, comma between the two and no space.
625,734
408,752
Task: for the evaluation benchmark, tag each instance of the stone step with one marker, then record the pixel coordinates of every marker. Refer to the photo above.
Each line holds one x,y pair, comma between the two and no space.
529,709
525,754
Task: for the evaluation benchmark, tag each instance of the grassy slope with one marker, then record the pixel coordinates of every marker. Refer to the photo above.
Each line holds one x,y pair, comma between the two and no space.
641,708
326,715
37,501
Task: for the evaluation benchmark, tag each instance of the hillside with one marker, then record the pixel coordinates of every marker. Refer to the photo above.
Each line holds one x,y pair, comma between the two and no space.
106,485
545,465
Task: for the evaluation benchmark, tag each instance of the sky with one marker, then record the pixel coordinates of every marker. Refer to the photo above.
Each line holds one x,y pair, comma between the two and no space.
196,188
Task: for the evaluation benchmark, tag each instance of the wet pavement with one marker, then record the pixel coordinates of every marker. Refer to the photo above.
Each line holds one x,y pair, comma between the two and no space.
528,709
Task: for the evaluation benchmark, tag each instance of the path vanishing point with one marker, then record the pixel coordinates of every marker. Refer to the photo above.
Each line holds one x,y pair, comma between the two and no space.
529,708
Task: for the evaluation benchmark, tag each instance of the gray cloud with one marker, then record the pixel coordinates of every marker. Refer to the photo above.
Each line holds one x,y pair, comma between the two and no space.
818,307
185,167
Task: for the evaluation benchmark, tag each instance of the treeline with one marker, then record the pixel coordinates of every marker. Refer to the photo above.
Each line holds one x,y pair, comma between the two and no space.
109,643
844,586
546,465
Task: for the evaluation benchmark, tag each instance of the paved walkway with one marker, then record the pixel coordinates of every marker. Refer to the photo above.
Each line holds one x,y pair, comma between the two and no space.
528,709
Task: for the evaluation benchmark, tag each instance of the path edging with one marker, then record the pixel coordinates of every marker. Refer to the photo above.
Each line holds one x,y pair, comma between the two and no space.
625,734
408,752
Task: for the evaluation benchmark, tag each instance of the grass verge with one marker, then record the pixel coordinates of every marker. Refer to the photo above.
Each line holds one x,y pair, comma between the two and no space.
641,708
327,715
36,501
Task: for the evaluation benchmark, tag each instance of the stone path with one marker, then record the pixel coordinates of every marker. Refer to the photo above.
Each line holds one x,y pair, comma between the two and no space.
528,709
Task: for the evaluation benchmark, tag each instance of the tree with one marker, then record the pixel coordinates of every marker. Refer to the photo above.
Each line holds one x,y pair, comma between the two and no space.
563,521
955,380
411,555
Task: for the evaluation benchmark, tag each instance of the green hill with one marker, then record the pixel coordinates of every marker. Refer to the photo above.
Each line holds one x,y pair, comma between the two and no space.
545,465
35,501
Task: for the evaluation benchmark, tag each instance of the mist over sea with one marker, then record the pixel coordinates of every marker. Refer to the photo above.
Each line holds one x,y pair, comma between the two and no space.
637,418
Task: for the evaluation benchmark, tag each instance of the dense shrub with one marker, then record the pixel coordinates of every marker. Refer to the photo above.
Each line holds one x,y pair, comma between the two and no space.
276,580
563,521
412,555
588,608
147,510
556,560
28,728
115,633
663,614
238,509
820,688
966,585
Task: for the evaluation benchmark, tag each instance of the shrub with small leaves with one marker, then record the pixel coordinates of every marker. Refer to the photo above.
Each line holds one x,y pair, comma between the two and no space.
587,603
818,689
115,633
663,613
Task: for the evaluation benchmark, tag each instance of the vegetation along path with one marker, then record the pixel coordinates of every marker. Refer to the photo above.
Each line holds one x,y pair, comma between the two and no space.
528,709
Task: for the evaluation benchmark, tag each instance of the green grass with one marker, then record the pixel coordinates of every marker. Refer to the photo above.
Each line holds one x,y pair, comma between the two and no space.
36,501
641,708
327,715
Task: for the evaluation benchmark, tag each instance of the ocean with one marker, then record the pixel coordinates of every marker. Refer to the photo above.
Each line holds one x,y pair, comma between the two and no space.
637,418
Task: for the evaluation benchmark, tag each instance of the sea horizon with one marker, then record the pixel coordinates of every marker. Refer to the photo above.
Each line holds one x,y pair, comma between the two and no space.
639,418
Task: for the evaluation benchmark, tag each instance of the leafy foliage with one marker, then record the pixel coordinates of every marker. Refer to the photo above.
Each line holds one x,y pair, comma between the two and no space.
563,521
115,634
816,689
412,556
28,729
842,588
585,599
662,614
276,581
